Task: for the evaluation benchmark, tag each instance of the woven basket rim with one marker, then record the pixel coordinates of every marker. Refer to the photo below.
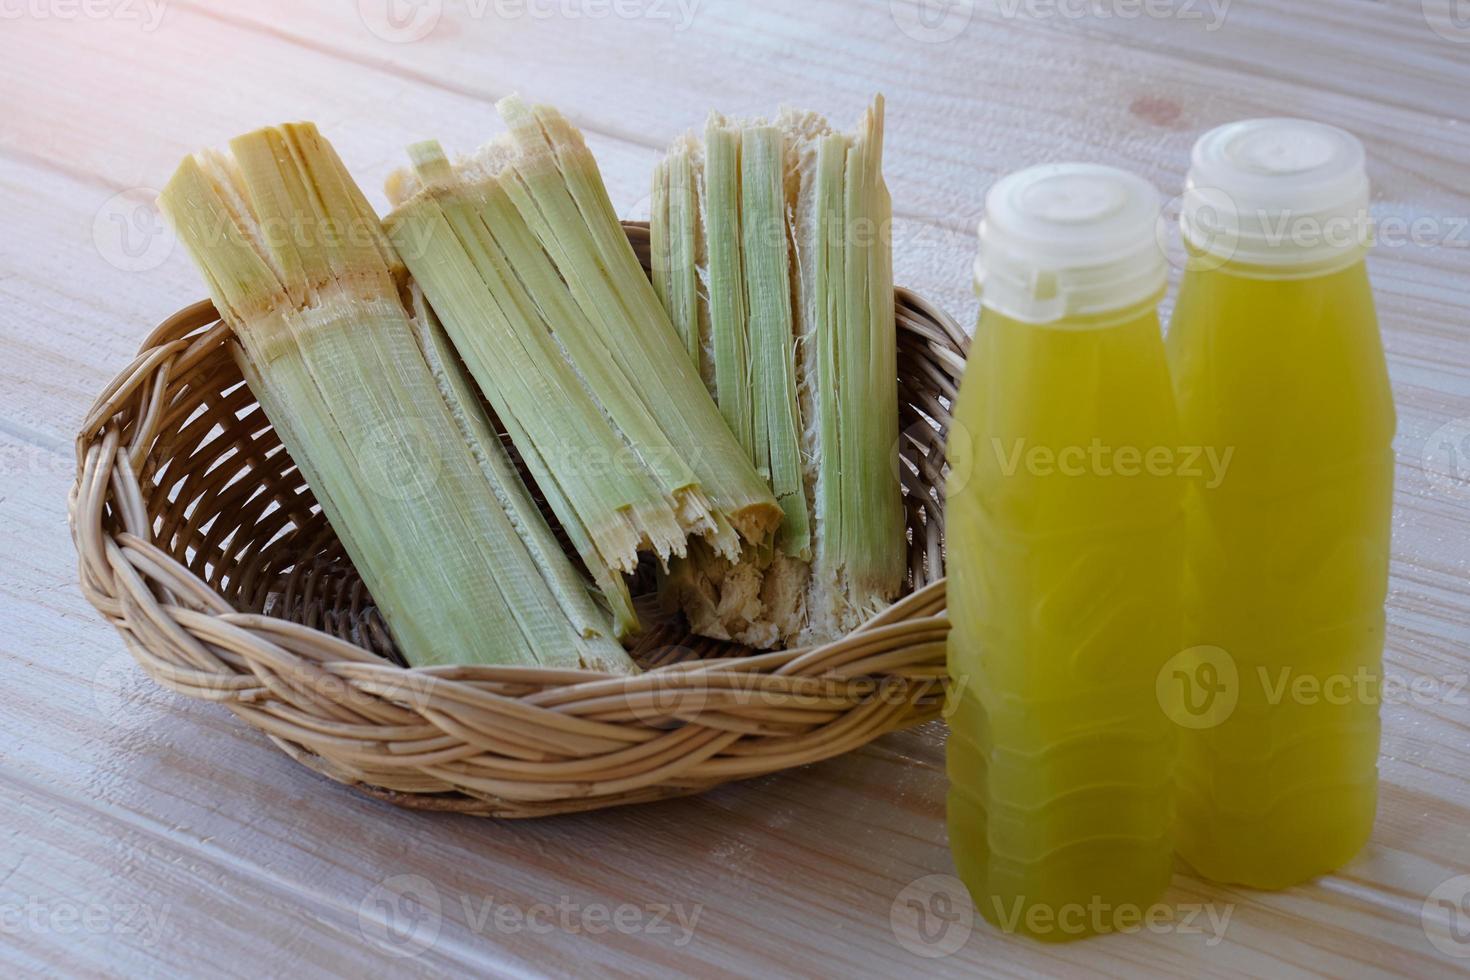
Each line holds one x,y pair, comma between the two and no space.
494,740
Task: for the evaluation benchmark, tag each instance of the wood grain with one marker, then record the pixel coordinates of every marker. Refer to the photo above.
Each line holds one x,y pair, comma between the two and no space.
144,834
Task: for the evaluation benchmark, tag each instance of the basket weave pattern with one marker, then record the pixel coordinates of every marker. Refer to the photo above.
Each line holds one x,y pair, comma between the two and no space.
200,542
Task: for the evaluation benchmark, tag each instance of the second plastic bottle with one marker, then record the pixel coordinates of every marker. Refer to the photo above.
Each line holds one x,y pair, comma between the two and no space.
1065,538
1281,371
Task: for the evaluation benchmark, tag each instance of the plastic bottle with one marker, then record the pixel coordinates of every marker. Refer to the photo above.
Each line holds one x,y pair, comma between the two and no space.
1278,363
1065,539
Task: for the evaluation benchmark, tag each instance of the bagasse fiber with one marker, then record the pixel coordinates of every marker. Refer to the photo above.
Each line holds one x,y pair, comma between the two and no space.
771,253
359,380
520,252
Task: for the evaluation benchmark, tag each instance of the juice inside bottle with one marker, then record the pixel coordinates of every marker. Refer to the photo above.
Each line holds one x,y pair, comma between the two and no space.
1278,362
1065,545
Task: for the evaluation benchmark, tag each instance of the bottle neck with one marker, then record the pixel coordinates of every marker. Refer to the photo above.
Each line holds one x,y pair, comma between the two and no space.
1199,261
1100,320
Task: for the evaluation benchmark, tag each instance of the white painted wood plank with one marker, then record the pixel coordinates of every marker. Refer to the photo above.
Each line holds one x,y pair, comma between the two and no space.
795,874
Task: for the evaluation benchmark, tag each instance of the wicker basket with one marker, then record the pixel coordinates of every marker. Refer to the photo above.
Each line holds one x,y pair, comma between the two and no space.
201,543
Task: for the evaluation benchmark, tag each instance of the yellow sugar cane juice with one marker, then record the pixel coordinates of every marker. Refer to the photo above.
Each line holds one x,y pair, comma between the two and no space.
1276,354
1065,545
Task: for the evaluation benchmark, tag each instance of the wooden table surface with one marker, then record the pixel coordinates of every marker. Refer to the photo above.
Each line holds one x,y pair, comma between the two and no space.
143,834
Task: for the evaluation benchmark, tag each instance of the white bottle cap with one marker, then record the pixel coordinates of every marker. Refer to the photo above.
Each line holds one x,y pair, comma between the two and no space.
1288,195
1069,240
